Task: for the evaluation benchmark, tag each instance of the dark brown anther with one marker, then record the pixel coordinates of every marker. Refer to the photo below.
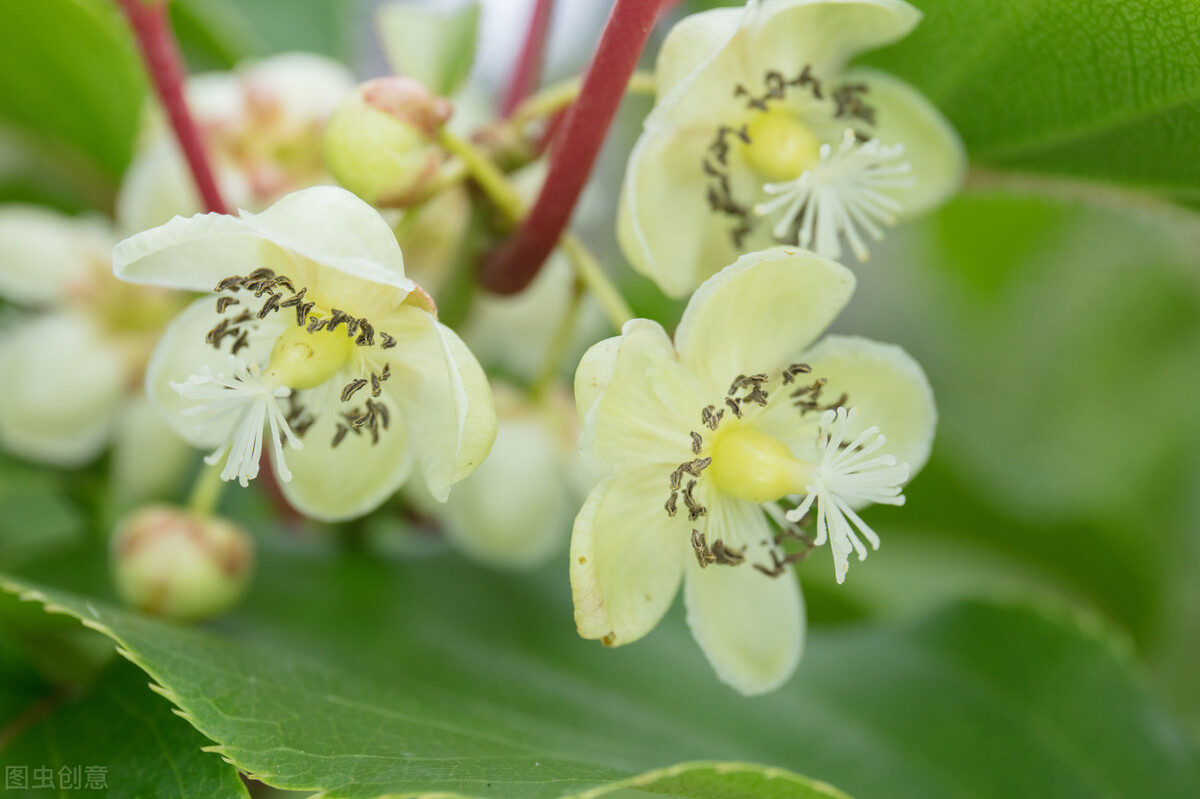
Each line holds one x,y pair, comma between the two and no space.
261,287
704,555
388,341
351,387
711,419
339,434
367,337
295,299
789,374
351,325
695,467
367,417
386,373
302,313
725,556
672,504
259,274
697,443
806,78
376,386
757,396
286,283
217,333
677,478
336,317
385,416
695,509
272,304
316,323
241,342
232,283
225,302
734,406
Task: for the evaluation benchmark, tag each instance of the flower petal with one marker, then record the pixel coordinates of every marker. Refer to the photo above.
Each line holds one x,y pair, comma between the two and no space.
43,252
626,560
192,253
750,626
758,314
694,40
788,34
593,373
931,144
644,415
665,225
326,225
444,396
333,485
182,352
61,390
333,227
887,386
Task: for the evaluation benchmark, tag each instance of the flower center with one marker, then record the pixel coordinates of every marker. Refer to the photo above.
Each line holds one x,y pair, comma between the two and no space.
302,360
751,465
781,147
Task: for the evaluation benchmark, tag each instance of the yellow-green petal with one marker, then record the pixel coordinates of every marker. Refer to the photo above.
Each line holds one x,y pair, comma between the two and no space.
750,626
931,145
626,560
644,415
444,396
786,35
759,314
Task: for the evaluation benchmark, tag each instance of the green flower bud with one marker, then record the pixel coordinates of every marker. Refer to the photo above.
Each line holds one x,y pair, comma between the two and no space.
381,142
173,563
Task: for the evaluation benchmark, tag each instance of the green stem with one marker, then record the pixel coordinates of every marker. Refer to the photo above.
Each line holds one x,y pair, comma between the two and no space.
559,344
489,177
557,96
495,185
590,272
206,491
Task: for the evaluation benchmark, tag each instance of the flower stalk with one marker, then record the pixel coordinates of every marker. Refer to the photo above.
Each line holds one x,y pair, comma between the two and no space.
148,19
578,143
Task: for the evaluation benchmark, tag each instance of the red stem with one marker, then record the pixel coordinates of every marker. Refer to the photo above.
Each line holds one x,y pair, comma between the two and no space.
576,146
148,18
527,73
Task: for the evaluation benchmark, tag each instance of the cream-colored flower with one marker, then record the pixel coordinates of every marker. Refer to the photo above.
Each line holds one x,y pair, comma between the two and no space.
262,126
315,335
762,136
713,448
76,347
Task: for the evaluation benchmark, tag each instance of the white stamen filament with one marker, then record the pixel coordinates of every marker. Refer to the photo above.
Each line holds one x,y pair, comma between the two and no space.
840,195
240,392
849,473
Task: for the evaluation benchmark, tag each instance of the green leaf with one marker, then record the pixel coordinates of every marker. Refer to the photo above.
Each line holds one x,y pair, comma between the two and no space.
1091,89
119,727
36,516
70,80
436,47
363,678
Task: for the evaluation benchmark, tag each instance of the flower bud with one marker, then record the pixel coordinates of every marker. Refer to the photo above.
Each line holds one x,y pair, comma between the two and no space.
173,563
381,142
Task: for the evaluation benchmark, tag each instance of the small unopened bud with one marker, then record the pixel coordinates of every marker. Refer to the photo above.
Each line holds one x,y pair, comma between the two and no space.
173,563
381,142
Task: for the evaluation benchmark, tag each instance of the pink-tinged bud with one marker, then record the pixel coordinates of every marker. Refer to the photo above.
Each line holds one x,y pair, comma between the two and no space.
381,142
170,562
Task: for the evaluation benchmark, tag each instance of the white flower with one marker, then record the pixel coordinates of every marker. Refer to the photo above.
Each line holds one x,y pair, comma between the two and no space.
316,338
712,449
78,344
262,126
762,136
